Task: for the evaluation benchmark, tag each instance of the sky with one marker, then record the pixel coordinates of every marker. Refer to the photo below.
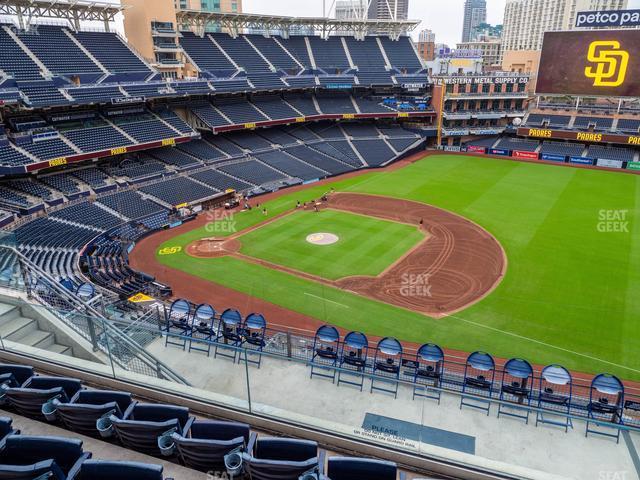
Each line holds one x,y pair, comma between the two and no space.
444,17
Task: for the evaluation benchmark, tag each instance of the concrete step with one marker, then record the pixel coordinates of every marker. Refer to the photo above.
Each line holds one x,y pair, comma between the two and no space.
38,339
8,312
24,330
17,328
62,349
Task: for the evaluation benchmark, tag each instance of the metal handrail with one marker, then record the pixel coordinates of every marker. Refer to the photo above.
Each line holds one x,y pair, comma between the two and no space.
163,370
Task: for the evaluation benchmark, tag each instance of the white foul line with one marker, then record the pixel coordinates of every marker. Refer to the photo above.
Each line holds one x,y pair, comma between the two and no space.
330,301
543,343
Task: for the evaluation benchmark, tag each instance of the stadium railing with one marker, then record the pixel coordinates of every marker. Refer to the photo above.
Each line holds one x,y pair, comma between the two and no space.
243,388
87,319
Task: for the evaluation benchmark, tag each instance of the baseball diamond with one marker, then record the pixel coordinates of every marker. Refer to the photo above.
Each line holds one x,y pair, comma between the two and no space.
459,197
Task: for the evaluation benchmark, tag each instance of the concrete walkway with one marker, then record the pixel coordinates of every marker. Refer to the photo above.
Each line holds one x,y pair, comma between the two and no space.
283,389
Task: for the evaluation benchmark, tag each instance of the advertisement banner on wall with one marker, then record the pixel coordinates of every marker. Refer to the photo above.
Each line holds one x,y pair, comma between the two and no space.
633,165
476,149
499,151
552,158
524,154
581,160
605,162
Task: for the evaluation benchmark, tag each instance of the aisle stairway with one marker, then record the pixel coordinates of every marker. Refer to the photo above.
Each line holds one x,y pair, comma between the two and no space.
18,326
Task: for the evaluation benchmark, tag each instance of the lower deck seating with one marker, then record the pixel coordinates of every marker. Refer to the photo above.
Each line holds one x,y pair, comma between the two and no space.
290,166
178,190
130,204
220,181
375,152
318,159
241,161
253,172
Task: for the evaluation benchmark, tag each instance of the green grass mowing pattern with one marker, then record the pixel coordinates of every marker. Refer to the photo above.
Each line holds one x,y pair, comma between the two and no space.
365,246
571,293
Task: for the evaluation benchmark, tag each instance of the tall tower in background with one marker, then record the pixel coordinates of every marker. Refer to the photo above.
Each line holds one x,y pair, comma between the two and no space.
475,13
389,9
426,45
351,9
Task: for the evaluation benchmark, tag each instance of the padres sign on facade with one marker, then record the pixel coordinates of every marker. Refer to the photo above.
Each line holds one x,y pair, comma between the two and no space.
594,63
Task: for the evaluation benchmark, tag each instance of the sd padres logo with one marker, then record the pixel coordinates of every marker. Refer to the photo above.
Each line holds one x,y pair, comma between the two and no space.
169,250
610,63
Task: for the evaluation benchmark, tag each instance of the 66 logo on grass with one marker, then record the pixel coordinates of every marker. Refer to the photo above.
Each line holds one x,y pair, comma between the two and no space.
169,250
415,285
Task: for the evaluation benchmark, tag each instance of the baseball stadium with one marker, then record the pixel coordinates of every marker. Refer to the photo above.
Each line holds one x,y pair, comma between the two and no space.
245,246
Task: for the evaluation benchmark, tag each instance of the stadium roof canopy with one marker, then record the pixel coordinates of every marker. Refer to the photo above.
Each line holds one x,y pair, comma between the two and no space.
236,23
75,11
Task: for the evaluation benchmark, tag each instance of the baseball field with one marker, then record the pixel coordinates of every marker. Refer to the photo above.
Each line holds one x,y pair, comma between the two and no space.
569,291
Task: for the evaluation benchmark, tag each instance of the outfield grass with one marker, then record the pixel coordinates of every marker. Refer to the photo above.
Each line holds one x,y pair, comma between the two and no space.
365,246
571,293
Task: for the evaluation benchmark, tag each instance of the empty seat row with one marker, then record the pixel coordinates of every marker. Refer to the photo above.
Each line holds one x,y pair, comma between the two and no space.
153,429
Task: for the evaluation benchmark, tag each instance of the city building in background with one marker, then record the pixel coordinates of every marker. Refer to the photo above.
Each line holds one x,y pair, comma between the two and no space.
350,9
388,10
426,45
209,5
455,62
525,22
489,48
475,13
152,30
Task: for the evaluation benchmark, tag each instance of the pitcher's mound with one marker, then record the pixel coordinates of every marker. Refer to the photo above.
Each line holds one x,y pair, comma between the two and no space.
213,247
322,238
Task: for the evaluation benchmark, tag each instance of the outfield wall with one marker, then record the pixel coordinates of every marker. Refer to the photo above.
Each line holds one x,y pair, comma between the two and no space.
550,159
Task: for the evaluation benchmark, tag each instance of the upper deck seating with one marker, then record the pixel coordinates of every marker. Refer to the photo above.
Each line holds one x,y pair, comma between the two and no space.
112,52
59,53
205,54
242,53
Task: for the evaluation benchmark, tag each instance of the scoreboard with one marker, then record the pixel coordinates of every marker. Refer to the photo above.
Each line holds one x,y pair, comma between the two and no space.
590,63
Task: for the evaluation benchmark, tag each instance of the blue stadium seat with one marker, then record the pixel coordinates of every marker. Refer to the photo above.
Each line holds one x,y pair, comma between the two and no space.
205,54
84,409
113,53
204,445
352,468
329,54
15,375
269,458
15,61
111,470
401,53
33,457
59,53
6,430
32,395
241,52
143,424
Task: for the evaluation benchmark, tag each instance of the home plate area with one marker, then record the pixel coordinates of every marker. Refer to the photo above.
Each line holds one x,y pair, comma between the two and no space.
322,238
